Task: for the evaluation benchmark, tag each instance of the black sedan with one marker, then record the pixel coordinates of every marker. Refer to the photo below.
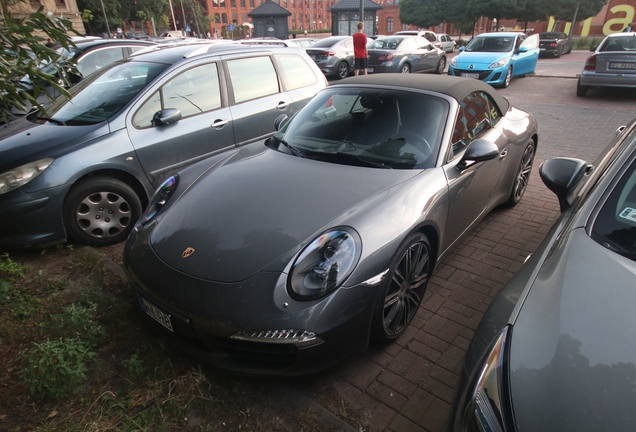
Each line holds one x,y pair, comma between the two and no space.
554,351
405,54
554,44
287,255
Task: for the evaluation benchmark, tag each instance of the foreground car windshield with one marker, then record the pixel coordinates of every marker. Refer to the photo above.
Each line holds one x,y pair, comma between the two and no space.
615,226
103,94
373,128
491,44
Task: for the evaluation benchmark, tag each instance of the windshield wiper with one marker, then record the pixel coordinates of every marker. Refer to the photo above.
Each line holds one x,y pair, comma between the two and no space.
355,157
51,120
295,151
619,250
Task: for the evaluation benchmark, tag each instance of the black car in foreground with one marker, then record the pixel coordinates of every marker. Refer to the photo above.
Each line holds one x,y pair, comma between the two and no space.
555,350
285,256
554,44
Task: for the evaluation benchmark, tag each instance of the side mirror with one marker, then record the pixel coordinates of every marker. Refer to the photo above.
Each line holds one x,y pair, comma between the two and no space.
280,121
561,175
430,47
523,49
478,151
462,48
166,117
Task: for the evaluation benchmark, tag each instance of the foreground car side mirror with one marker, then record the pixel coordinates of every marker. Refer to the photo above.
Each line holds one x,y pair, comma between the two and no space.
478,151
561,175
166,117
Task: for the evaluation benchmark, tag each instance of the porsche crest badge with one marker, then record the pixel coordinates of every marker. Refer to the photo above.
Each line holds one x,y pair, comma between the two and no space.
186,253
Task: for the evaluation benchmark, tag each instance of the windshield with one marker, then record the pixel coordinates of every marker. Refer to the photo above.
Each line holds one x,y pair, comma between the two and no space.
615,226
326,43
491,44
619,43
365,127
104,93
387,43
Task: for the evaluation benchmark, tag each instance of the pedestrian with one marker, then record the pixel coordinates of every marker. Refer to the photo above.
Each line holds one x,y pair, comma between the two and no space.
629,28
502,28
49,43
209,35
360,50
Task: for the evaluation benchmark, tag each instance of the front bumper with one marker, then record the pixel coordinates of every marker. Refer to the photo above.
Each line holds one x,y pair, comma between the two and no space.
32,219
205,314
596,79
489,76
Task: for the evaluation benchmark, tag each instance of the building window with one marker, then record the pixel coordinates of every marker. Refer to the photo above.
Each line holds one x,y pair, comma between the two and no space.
224,18
389,25
233,4
243,4
217,18
252,4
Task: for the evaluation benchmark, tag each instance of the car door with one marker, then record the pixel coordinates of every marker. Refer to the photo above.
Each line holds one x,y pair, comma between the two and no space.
347,48
256,97
525,62
428,54
410,52
204,128
474,189
299,79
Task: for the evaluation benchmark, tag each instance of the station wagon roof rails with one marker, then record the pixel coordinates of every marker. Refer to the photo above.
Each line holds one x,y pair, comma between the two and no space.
209,47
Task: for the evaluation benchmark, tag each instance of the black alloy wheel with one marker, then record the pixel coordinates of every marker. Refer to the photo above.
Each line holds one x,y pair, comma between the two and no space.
402,289
522,177
406,68
441,65
508,78
343,70
101,211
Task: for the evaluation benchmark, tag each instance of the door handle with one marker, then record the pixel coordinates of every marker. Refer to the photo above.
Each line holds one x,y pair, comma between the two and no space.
503,154
282,105
218,124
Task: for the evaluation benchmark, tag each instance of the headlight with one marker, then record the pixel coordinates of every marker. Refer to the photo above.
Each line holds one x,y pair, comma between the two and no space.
324,264
487,404
160,198
499,63
453,62
20,176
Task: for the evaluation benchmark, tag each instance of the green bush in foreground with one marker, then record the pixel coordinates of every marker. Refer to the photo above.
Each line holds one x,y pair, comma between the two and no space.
56,368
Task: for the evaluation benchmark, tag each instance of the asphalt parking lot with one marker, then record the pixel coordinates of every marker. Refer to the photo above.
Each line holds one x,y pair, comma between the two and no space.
410,385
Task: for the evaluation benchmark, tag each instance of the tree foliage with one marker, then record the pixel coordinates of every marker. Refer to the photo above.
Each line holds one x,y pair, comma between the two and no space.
422,13
564,9
23,50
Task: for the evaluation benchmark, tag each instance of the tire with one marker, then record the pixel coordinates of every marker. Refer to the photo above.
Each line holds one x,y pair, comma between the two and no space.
100,211
452,49
559,52
581,90
522,176
402,290
343,70
406,68
507,79
441,65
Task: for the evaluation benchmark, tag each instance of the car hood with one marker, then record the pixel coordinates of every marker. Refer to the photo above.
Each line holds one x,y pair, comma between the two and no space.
244,213
479,58
24,141
572,352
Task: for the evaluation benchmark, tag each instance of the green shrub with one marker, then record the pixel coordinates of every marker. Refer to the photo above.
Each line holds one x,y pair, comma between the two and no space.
135,366
21,304
10,267
76,321
56,368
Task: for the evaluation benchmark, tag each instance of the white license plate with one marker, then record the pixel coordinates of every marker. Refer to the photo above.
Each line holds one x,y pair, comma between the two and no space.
370,70
622,66
470,75
313,57
157,314
541,49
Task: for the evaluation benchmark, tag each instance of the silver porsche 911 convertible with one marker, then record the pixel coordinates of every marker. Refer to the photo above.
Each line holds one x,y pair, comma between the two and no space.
286,255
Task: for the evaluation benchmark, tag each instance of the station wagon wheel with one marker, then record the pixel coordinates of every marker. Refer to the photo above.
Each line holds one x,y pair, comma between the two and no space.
343,69
508,78
402,289
406,68
101,211
441,65
522,177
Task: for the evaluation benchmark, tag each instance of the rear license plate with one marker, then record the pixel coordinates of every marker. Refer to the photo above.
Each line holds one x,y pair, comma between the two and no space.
541,49
157,314
370,70
622,66
470,75
313,57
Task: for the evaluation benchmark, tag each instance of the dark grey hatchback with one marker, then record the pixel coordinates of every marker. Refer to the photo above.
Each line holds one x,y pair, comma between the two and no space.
87,170
555,350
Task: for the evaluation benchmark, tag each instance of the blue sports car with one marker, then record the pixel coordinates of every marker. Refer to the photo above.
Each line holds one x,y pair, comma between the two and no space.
497,57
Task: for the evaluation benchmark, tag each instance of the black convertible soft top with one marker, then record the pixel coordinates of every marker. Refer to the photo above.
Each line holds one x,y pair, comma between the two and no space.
455,87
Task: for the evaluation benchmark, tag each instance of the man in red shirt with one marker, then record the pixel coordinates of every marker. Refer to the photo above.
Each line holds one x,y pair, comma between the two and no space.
360,50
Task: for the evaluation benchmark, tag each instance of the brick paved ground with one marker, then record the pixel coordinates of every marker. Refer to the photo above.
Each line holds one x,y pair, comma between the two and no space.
410,385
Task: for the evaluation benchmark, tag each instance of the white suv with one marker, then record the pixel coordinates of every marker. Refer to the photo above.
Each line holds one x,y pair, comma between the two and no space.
431,36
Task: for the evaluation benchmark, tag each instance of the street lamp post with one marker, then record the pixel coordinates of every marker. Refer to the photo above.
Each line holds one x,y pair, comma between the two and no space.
105,19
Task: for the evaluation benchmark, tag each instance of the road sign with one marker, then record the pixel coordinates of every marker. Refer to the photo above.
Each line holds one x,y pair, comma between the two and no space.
188,28
230,27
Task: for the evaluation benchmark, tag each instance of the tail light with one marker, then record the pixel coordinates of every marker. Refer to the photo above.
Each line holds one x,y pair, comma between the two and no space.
325,54
590,63
386,57
553,44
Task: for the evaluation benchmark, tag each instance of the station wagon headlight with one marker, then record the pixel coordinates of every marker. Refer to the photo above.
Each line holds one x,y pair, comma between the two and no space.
324,264
18,177
160,198
499,63
487,406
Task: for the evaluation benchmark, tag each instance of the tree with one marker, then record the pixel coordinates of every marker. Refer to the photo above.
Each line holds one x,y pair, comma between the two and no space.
422,13
23,51
564,9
